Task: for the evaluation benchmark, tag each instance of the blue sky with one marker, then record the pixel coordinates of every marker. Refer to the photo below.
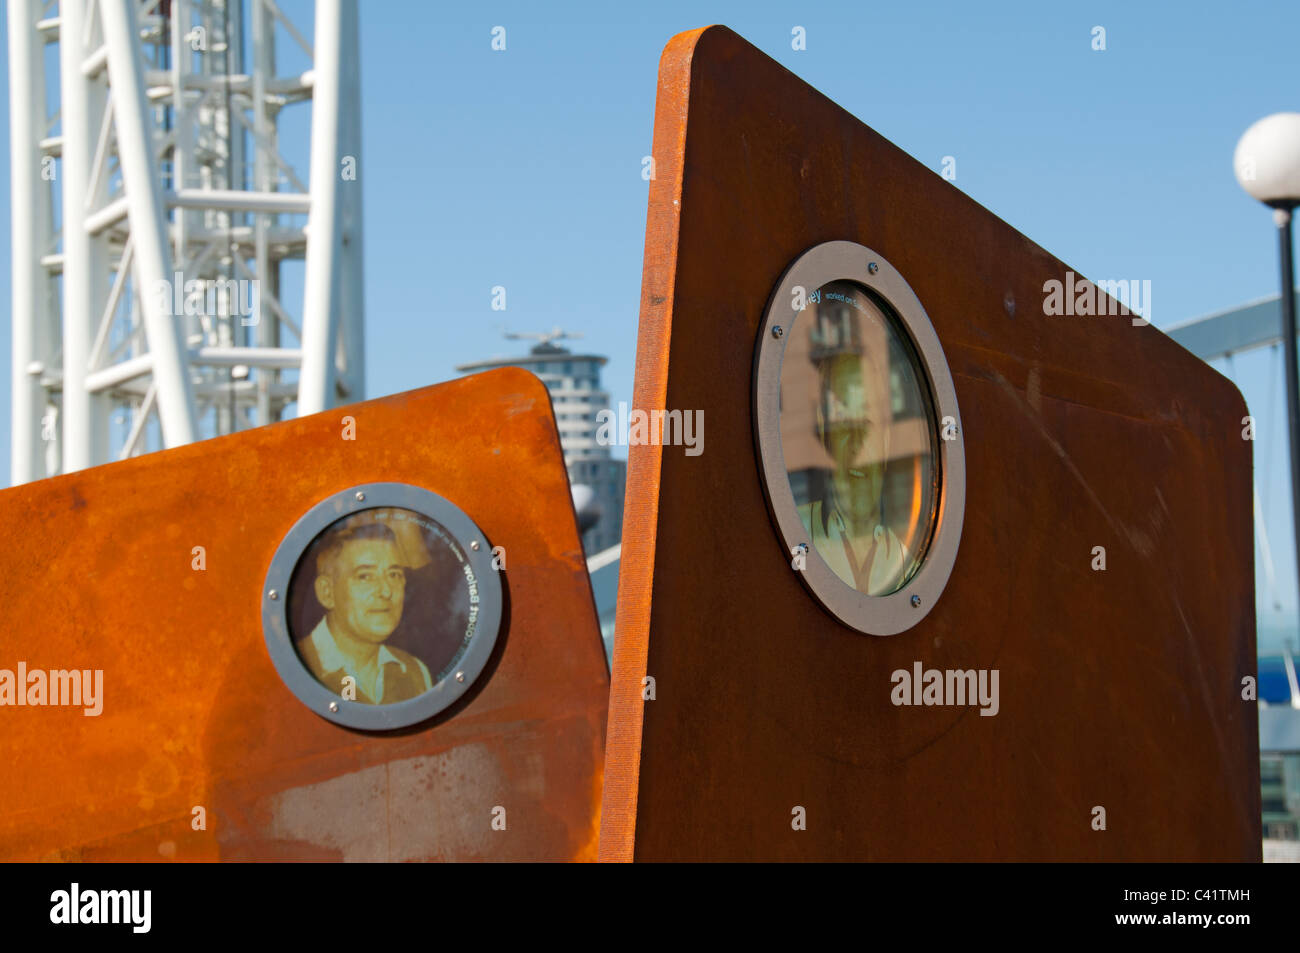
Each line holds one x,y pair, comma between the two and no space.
522,168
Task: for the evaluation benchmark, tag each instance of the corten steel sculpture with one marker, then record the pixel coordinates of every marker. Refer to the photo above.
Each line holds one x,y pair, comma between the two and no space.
99,573
1120,689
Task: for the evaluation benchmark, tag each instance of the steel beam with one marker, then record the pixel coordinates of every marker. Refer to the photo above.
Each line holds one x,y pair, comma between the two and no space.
1230,332
148,227
30,211
321,280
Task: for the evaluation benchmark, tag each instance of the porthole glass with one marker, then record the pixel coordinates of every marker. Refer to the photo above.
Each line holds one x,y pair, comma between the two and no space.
382,606
858,437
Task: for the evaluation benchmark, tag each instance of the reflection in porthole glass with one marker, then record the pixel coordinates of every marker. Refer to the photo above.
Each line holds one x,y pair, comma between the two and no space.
859,438
382,605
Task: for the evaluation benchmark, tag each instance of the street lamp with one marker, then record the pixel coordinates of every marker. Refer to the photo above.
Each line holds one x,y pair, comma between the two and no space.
1267,164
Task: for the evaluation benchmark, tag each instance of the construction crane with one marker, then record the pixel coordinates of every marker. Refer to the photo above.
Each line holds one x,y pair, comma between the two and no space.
544,339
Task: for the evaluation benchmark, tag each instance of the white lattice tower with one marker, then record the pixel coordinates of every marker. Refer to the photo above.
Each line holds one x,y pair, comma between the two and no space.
154,210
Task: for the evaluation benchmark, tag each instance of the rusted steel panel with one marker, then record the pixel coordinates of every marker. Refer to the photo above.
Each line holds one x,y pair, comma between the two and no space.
1119,689
98,574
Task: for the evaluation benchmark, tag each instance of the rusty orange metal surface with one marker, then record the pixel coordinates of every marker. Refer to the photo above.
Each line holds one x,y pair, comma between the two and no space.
98,574
1120,689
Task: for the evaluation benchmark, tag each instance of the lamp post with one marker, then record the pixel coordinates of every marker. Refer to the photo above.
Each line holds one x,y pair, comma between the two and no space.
1267,164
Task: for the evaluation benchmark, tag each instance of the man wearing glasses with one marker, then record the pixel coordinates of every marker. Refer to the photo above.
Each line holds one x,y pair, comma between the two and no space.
361,585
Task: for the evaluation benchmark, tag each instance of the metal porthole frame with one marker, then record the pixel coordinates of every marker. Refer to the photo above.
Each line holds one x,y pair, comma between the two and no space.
477,552
897,611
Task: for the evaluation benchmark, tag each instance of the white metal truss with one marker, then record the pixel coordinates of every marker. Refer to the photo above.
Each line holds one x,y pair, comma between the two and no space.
154,212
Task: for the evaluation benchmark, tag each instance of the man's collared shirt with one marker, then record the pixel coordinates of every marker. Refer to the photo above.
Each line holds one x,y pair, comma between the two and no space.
888,557
332,660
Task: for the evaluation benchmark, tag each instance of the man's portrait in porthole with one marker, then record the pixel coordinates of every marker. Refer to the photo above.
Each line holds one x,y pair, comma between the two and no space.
380,606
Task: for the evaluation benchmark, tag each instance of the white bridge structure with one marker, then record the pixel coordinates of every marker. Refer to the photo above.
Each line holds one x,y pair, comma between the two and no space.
175,277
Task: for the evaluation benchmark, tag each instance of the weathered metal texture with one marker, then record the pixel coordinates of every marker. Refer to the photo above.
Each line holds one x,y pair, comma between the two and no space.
97,574
1119,689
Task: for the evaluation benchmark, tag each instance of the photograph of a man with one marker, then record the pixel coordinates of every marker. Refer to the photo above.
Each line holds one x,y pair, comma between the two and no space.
360,584
847,525
858,454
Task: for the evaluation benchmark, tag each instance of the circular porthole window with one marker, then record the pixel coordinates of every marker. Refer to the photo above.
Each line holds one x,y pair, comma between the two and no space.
859,438
381,606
